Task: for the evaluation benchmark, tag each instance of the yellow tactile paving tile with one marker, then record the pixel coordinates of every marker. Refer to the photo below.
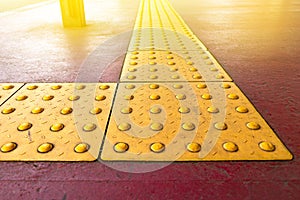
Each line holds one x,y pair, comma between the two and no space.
160,66
188,122
8,89
159,27
55,121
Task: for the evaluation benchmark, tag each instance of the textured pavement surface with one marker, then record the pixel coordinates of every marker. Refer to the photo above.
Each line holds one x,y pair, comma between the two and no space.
256,42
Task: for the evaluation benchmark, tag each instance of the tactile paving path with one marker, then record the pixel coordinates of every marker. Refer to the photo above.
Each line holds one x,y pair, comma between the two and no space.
159,27
58,122
188,122
8,89
175,102
154,66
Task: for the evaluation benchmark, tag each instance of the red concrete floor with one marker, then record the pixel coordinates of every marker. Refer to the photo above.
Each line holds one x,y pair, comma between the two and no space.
256,41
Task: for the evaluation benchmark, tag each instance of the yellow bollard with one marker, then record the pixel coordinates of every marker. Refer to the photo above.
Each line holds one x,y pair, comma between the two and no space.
72,12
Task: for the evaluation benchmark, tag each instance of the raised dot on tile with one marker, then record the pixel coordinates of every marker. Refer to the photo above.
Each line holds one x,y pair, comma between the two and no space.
121,147
253,125
45,147
220,126
81,148
230,147
124,126
157,147
89,127
188,126
193,147
57,127
266,146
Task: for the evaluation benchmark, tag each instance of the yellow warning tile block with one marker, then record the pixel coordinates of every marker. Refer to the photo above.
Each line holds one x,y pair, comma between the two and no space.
55,122
188,122
159,27
153,66
8,89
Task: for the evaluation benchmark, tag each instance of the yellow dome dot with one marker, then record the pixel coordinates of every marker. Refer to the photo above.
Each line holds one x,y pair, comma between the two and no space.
170,57
152,69
45,148
57,127
177,86
24,126
56,87
156,126
7,87
48,97
180,96
153,86
220,126
213,69
154,97
173,69
230,147
37,110
133,63
193,147
124,127
189,63
100,97
8,110
131,77
212,109
184,110
126,110
209,62
104,87
205,57
193,69
132,69
130,86
206,96
253,125
188,126
157,147
32,87
155,110
80,87
266,146
152,57
96,111
201,86
241,109
197,76
128,97
21,97
134,57
74,97
121,147
89,127
8,147
81,148
153,77
135,53
225,85
219,76
66,111
152,63
171,63
175,77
